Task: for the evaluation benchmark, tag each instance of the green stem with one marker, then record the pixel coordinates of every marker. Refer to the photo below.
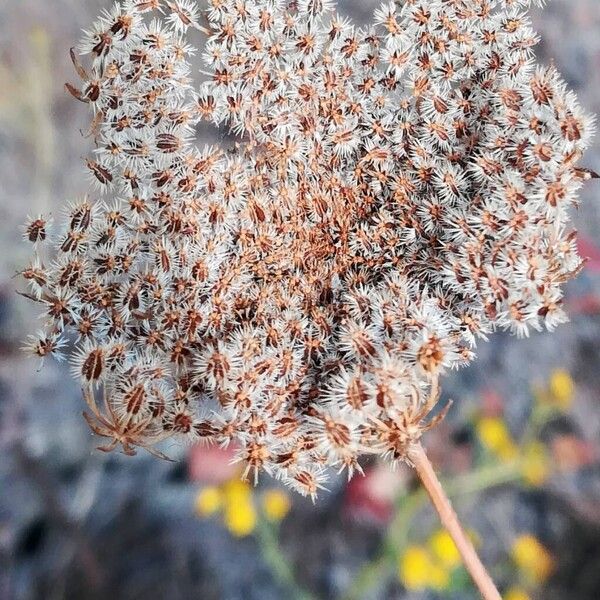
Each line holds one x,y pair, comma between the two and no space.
484,478
275,559
540,416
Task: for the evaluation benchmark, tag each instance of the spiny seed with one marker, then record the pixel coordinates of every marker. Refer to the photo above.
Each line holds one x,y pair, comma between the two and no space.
134,399
102,174
93,365
36,230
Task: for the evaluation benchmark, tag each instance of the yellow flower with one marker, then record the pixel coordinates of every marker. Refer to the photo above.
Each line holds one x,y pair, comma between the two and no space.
276,505
495,437
536,466
414,568
208,501
240,517
418,571
444,549
517,594
236,490
532,559
562,388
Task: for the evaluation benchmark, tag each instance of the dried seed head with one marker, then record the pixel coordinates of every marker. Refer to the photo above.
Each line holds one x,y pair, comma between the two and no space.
395,194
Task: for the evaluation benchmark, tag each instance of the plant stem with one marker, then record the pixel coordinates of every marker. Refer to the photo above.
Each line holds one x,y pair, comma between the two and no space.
450,521
275,559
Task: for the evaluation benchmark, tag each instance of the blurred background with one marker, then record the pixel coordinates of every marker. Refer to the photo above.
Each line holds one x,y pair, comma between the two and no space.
519,453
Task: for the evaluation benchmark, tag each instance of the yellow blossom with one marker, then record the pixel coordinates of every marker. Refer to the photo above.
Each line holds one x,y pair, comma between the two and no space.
240,517
562,388
517,594
444,549
532,559
536,466
418,571
495,437
276,505
414,568
208,501
236,490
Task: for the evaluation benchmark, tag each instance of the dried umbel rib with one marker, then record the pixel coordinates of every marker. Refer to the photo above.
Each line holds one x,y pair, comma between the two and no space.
395,193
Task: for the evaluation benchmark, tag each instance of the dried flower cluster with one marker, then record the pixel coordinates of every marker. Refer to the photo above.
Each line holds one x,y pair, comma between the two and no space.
396,193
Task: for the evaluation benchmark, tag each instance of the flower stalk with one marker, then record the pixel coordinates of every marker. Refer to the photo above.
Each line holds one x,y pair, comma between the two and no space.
449,519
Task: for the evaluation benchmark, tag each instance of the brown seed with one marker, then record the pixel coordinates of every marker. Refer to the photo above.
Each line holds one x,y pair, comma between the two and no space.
36,231
571,128
337,433
103,45
182,423
92,92
93,365
205,429
357,395
81,217
430,354
102,174
134,399
37,275
168,142
71,273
